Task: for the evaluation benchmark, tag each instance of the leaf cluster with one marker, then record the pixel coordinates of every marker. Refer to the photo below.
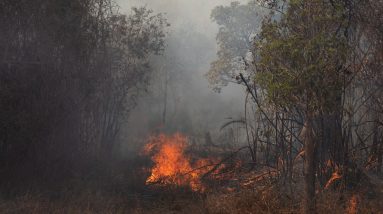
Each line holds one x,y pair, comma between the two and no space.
301,58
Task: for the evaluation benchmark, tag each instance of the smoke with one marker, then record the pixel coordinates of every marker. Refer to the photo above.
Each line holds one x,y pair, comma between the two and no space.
192,13
191,105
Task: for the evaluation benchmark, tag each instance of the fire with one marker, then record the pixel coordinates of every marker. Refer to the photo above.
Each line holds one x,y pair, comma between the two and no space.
353,205
335,176
172,166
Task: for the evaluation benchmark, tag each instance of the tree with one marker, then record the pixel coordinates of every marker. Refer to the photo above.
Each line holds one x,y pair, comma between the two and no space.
70,72
131,40
238,25
300,63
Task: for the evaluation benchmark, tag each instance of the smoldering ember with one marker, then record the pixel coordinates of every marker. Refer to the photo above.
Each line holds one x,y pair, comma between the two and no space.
191,106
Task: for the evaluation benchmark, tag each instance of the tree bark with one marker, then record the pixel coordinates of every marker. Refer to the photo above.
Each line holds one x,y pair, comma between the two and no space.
309,166
165,98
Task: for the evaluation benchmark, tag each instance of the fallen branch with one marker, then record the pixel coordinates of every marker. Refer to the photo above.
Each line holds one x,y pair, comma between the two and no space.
223,160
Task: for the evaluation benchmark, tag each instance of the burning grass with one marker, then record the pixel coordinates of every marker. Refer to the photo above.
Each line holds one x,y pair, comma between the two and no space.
120,187
173,167
260,192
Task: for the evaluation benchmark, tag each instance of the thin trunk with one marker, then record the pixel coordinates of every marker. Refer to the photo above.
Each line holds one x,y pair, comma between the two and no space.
276,141
165,99
252,153
380,156
291,167
255,145
309,166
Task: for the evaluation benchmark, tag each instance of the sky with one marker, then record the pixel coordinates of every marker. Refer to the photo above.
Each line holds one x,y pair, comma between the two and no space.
195,13
194,16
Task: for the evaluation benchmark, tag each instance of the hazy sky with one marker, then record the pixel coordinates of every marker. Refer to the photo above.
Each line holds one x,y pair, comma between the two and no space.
193,16
195,13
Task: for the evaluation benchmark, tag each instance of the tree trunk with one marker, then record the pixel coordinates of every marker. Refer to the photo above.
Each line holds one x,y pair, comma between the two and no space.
309,166
165,98
380,158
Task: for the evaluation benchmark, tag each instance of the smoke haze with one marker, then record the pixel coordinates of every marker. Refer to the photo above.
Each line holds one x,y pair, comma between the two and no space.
192,106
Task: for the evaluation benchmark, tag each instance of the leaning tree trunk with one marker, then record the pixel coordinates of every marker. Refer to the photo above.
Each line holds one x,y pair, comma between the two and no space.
309,166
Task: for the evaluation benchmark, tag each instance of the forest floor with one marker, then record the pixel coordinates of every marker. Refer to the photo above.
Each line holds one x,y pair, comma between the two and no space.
117,190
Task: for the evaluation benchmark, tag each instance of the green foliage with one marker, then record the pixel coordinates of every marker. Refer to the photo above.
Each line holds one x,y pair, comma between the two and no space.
301,57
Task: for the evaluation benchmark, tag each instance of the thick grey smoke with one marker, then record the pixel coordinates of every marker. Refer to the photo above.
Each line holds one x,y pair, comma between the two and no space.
191,105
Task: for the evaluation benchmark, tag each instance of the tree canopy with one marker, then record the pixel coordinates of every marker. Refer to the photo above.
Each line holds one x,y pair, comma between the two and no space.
238,25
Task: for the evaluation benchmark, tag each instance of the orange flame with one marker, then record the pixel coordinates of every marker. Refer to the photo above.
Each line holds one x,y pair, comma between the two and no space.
172,166
335,176
353,205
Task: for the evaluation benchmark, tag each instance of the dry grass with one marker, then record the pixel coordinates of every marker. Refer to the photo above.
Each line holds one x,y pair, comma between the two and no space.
274,201
266,200
77,204
249,201
349,202
124,192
